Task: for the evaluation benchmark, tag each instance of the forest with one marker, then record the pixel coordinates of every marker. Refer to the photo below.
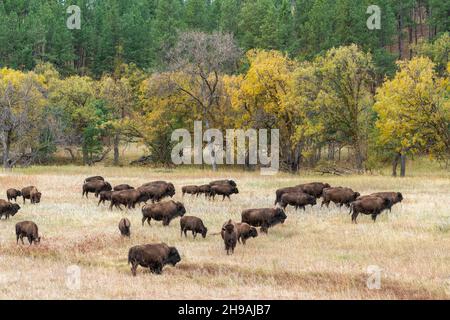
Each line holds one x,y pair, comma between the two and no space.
137,70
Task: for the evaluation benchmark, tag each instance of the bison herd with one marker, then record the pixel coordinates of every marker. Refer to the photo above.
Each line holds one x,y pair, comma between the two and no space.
155,256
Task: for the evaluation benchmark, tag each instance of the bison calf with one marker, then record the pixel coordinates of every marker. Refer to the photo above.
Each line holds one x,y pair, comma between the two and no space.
124,227
193,224
162,211
230,236
31,193
264,218
29,230
152,256
340,196
13,194
369,205
297,199
224,190
193,190
245,231
95,186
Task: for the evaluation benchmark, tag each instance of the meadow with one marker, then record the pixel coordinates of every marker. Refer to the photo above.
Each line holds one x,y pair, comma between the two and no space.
316,254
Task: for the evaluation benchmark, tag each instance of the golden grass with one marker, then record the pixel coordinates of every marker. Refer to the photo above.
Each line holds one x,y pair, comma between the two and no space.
315,254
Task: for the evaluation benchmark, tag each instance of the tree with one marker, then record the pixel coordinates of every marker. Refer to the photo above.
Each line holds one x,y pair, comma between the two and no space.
21,102
437,50
414,112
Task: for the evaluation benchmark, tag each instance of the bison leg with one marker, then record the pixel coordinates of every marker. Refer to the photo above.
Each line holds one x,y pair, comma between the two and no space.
17,239
354,215
166,221
243,240
374,217
30,239
133,268
194,234
143,220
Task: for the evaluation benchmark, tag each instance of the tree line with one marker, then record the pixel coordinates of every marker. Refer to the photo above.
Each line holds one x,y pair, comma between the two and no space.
138,70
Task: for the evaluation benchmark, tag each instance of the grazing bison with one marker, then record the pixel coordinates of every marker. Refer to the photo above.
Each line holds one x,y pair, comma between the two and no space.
297,199
393,197
157,192
122,187
193,224
222,182
279,193
340,196
13,194
124,227
31,193
245,231
230,236
129,198
190,190
314,188
264,218
223,190
95,186
152,256
104,196
29,230
370,205
8,209
205,189
162,211
94,178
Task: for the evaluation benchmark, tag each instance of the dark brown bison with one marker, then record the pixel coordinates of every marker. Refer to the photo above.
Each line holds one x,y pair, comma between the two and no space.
8,209
95,186
205,189
29,230
104,196
129,198
190,190
13,194
122,187
124,227
264,218
31,193
223,190
155,183
221,182
152,256
314,188
245,231
229,234
193,224
340,196
94,178
393,197
279,193
157,192
297,199
370,205
162,211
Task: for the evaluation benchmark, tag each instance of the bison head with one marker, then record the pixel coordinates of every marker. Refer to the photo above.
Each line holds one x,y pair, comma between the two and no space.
399,197
180,208
326,185
356,195
38,197
279,215
253,233
37,241
170,190
174,256
107,187
204,231
232,183
235,190
14,209
19,193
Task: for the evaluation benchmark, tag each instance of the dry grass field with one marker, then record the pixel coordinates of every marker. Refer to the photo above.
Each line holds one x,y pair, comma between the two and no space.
317,254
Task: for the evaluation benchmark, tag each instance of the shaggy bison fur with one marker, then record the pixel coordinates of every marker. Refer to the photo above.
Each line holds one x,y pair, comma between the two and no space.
152,256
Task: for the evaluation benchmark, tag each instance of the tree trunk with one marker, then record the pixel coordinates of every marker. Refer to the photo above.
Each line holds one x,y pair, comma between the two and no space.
6,143
116,149
395,164
400,31
402,165
85,155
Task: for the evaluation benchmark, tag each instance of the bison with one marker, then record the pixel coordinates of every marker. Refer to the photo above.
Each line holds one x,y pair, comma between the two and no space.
157,192
205,189
129,198
8,209
245,231
394,197
193,224
193,190
297,199
104,196
340,196
29,230
229,235
223,182
122,187
162,211
264,218
152,256
94,178
314,189
31,193
95,186
370,205
224,190
279,193
124,227
13,194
